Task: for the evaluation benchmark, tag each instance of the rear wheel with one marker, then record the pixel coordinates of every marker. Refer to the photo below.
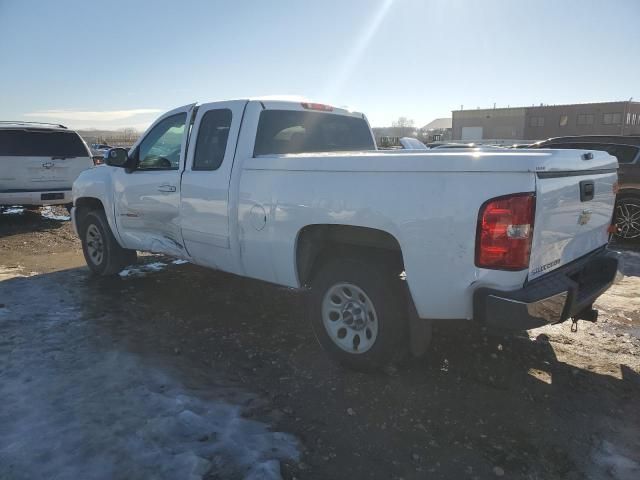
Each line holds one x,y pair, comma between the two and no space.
358,313
103,254
627,218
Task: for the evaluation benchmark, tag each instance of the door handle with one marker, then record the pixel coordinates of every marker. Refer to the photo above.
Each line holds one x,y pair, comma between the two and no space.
166,188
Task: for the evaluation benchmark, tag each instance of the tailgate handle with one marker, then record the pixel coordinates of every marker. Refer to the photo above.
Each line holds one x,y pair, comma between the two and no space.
587,190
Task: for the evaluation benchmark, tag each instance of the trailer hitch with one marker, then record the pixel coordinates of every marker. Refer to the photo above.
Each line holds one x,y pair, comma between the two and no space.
587,314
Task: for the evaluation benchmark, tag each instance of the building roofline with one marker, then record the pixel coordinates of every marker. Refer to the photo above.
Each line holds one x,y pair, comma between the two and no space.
544,106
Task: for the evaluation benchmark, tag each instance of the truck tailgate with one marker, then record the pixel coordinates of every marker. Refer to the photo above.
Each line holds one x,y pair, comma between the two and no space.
40,173
574,208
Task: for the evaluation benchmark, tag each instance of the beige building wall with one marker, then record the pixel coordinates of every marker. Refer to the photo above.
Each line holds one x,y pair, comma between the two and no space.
496,123
539,123
582,119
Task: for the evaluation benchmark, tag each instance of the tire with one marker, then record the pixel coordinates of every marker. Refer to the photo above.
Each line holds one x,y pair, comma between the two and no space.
627,218
103,254
358,313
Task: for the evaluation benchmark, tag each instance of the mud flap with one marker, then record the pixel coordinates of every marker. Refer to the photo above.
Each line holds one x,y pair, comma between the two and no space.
420,330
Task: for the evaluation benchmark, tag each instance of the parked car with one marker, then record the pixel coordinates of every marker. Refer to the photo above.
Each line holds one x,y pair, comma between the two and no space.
400,144
39,162
296,195
99,149
627,150
410,143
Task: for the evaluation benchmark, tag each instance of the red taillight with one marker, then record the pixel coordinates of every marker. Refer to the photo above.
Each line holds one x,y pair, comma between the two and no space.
317,106
505,228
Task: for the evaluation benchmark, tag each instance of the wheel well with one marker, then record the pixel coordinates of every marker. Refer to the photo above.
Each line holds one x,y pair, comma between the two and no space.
85,205
317,242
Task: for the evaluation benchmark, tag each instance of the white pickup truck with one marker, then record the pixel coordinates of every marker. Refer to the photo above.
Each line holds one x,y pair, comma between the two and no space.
295,194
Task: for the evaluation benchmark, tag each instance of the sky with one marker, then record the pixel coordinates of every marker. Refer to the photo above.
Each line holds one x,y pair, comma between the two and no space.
114,63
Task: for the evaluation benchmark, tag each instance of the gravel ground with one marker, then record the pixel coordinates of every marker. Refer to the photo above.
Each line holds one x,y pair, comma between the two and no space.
175,371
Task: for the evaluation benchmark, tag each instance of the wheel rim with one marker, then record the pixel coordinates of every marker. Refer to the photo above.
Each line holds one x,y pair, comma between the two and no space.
349,318
95,245
628,219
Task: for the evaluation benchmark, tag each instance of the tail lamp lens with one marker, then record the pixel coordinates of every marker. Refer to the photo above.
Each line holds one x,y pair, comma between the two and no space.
505,229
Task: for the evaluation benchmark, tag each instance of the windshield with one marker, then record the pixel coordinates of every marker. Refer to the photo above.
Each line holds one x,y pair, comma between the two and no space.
289,131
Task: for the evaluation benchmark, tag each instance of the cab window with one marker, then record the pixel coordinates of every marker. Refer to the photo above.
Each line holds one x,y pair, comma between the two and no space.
160,149
290,131
213,134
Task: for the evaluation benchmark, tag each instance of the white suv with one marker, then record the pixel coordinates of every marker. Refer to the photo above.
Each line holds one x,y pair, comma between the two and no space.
39,163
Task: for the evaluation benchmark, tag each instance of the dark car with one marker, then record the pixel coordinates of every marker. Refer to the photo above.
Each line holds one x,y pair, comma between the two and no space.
627,150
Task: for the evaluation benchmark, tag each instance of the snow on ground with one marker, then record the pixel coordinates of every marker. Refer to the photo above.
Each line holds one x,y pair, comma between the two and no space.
75,404
14,210
12,272
614,463
47,212
142,269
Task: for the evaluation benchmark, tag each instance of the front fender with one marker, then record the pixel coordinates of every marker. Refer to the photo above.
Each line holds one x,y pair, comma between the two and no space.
97,183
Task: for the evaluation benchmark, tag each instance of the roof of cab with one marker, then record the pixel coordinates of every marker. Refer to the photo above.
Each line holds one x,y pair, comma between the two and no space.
296,102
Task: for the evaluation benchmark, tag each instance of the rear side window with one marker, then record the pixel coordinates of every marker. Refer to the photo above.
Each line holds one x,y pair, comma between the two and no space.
41,143
288,131
624,153
212,139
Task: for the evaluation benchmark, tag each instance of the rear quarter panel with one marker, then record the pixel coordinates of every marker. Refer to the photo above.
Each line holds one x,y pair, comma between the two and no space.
433,215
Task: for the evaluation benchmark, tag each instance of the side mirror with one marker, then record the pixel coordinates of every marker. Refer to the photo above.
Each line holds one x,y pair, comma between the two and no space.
116,157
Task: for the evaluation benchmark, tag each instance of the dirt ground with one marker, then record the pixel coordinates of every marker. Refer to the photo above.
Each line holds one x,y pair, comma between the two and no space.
546,404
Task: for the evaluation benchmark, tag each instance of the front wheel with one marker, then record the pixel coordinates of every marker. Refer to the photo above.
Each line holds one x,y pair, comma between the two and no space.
627,218
103,254
357,311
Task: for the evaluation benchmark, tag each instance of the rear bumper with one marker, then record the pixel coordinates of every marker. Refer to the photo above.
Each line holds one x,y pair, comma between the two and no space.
36,197
551,298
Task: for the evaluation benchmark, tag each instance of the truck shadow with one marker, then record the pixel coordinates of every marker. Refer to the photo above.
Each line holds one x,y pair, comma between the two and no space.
631,256
16,221
475,405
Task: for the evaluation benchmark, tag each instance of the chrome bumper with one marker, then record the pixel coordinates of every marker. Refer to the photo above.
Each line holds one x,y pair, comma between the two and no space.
551,298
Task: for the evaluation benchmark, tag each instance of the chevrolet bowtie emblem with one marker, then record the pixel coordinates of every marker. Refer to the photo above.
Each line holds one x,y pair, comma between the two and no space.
584,217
